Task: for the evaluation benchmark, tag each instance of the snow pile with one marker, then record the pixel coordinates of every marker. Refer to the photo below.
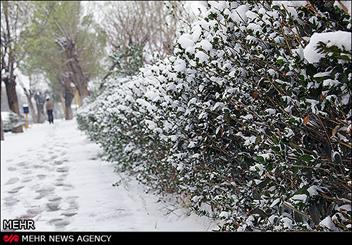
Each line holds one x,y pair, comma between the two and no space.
340,39
186,41
239,14
290,3
328,223
53,175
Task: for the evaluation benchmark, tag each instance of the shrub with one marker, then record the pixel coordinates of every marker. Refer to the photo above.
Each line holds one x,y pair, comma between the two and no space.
249,119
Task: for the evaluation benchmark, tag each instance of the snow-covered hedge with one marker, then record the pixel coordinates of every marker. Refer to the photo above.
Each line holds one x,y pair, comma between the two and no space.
249,120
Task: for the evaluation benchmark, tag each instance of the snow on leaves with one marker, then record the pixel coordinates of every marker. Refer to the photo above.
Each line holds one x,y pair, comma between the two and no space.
251,117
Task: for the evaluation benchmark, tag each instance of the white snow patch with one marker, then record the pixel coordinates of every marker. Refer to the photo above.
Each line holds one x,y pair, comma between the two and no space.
313,190
266,156
276,201
288,132
258,167
247,117
249,140
341,39
270,111
254,27
330,83
344,208
205,44
287,222
180,65
28,169
290,3
251,15
203,57
328,223
322,74
299,198
186,41
224,214
239,14
345,99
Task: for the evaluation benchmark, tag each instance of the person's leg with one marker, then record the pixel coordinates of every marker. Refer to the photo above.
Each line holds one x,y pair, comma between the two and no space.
48,113
51,116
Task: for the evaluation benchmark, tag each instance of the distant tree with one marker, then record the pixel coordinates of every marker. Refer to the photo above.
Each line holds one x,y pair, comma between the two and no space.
140,32
68,51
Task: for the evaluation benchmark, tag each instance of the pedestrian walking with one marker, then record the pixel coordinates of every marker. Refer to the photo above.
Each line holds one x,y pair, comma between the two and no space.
49,106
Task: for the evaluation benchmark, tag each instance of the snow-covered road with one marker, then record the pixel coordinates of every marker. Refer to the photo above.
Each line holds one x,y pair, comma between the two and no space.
53,175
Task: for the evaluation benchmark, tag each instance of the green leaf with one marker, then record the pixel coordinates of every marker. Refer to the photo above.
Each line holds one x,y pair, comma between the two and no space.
306,158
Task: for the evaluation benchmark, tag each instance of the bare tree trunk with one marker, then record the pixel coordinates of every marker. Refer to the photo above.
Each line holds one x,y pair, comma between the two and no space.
78,78
13,102
40,117
1,129
62,99
31,107
68,95
68,112
39,102
10,80
1,126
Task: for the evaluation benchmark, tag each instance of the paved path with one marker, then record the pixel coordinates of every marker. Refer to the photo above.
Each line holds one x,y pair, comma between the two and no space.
53,175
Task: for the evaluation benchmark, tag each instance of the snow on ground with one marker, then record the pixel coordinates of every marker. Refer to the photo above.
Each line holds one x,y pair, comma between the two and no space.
53,175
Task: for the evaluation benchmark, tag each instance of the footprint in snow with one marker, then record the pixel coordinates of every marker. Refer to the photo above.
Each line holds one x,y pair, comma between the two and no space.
26,179
54,198
63,175
44,191
12,181
62,169
11,168
41,176
34,211
67,187
21,164
10,201
15,190
53,206
27,172
59,182
72,203
58,162
59,223
69,213
38,166
53,157
25,216
71,198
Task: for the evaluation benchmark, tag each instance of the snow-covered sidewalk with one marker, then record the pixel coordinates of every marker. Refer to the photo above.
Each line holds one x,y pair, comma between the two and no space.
53,175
